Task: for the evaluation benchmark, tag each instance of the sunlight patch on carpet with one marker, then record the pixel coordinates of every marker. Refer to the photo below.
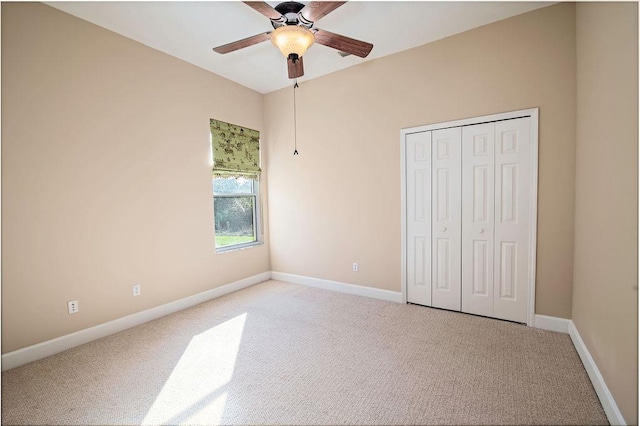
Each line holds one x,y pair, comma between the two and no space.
196,387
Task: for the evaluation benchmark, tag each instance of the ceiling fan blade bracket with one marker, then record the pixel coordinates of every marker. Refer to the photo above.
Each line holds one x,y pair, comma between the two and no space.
282,20
303,21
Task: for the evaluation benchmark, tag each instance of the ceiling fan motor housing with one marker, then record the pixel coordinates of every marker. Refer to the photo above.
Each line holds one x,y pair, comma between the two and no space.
290,10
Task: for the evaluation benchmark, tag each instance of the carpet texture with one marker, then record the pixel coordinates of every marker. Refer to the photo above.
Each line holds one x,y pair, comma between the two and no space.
279,353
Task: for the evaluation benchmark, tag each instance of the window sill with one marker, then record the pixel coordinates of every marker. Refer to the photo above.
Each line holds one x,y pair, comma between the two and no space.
236,247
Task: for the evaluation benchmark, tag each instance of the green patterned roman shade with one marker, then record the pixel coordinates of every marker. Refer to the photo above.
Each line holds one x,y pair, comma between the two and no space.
236,150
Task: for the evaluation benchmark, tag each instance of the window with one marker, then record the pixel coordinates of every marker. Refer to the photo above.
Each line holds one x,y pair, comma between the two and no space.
236,174
235,211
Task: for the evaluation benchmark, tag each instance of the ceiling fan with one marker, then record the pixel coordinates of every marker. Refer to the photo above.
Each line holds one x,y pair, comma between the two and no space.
294,32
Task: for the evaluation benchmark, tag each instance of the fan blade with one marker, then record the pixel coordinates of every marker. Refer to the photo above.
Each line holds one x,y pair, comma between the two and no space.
317,9
265,9
295,67
343,43
246,42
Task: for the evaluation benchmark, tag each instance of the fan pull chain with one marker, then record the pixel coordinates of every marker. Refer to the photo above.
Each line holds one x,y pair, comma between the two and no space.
295,124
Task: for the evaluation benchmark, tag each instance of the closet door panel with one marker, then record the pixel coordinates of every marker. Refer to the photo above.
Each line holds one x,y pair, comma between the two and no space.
478,218
418,169
446,217
512,193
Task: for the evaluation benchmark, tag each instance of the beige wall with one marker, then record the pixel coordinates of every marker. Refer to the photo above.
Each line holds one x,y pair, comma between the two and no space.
605,309
338,202
106,157
105,175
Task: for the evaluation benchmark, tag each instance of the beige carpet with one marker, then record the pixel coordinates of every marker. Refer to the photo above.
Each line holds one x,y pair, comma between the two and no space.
280,353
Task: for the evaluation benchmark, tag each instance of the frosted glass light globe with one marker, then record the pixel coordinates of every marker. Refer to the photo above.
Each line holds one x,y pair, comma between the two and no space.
292,39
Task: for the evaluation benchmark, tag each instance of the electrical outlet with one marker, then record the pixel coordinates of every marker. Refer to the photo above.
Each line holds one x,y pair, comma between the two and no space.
73,306
136,290
355,267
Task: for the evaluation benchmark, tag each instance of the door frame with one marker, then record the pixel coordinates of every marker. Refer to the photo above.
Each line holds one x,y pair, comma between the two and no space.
533,193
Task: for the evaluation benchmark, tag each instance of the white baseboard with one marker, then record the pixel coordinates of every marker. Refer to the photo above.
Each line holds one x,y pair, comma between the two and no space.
544,322
604,395
54,346
606,399
376,293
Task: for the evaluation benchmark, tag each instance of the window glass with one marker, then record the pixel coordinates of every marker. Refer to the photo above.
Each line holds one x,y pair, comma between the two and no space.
234,208
232,185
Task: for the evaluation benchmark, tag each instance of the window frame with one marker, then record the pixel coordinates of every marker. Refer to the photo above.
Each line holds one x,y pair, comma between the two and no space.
257,215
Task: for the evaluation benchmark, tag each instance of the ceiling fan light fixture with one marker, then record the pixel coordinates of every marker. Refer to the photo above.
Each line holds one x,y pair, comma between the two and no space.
292,39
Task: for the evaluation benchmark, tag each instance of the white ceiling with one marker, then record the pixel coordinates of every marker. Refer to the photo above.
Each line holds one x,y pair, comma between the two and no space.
189,31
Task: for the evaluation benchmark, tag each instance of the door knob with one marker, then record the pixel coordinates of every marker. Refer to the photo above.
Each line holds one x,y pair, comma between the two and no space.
444,228
481,230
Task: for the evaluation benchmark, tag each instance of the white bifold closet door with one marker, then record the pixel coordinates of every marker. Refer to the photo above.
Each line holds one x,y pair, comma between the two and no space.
478,218
512,216
446,218
418,171
468,212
